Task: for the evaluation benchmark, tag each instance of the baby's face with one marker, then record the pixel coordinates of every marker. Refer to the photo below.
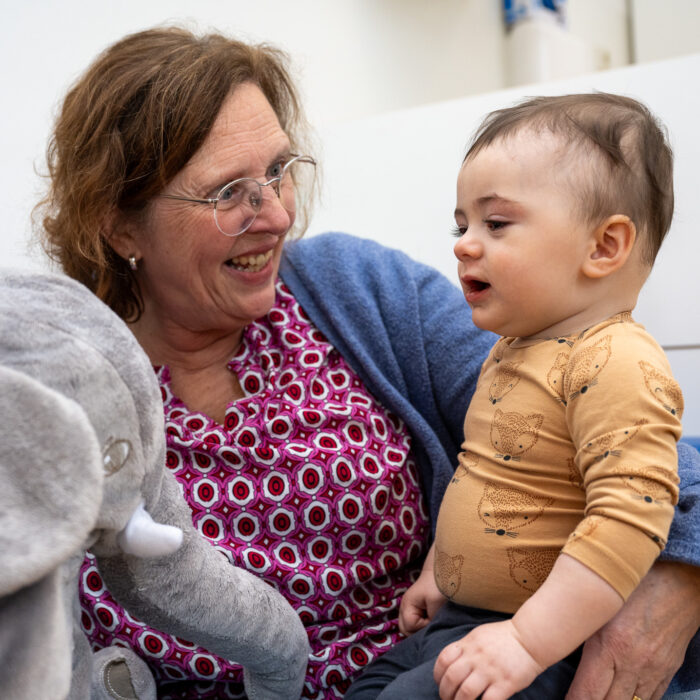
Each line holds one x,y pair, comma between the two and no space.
522,243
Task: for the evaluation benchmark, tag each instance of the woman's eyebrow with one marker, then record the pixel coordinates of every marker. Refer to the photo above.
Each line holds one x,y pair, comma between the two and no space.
229,174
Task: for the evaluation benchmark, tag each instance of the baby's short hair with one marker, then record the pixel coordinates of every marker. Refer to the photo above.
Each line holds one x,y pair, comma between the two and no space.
632,161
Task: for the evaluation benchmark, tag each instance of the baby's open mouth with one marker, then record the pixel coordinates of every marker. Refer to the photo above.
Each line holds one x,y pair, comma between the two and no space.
250,263
477,285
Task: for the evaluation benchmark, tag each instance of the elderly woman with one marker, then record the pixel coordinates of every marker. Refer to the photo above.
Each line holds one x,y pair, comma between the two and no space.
313,391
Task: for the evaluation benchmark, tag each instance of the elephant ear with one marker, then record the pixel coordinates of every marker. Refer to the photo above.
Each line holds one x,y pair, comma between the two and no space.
51,480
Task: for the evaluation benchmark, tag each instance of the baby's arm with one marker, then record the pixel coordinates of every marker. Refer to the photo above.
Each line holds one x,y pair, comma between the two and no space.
501,658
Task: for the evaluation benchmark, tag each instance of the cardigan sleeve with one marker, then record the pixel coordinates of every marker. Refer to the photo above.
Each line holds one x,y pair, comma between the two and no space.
405,329
407,332
683,543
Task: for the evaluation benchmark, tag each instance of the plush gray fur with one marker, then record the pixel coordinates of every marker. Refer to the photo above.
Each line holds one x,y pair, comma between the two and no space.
76,394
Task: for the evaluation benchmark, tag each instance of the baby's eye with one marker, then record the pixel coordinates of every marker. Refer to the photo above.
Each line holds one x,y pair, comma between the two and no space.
495,225
458,231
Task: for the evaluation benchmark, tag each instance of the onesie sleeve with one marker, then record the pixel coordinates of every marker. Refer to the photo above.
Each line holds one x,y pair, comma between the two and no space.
623,411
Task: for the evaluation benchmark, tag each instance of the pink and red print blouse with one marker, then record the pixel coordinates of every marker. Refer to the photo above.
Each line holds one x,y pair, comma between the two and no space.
310,484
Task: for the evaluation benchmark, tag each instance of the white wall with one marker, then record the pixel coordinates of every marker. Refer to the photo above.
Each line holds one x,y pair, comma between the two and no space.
353,59
409,161
604,23
664,29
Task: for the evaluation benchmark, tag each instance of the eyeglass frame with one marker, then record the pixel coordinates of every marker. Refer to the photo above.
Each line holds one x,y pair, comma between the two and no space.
215,200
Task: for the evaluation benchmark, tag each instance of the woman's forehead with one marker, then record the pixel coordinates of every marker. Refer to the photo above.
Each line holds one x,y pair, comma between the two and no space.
246,114
246,134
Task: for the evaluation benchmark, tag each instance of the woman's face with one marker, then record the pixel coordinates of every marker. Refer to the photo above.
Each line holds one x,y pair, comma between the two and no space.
193,277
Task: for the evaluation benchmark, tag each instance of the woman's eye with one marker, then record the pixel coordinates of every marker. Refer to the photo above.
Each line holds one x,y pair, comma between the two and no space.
232,193
277,169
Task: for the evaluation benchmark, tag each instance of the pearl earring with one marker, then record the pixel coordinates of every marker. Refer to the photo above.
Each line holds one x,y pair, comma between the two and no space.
133,265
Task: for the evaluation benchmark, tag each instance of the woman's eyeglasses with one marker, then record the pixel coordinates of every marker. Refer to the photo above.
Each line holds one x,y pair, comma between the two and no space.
239,202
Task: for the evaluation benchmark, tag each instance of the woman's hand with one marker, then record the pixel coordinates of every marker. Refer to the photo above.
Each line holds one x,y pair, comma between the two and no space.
421,601
642,647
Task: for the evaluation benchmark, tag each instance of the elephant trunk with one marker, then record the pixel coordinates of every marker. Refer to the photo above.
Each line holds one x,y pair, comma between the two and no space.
196,594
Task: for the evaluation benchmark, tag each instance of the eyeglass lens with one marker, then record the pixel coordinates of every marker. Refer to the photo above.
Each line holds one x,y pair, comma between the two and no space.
240,202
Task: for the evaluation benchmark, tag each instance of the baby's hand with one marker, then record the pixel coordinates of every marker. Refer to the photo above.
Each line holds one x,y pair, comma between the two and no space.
489,660
419,604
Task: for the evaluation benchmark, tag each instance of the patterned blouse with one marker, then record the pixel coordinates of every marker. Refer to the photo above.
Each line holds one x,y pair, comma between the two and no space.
309,483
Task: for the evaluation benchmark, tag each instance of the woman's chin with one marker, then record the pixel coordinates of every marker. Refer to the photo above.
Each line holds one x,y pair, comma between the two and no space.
254,303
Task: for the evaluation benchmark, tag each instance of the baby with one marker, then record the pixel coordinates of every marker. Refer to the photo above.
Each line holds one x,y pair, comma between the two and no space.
564,491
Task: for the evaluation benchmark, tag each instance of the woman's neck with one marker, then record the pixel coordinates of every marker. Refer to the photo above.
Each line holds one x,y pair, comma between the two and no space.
198,364
189,350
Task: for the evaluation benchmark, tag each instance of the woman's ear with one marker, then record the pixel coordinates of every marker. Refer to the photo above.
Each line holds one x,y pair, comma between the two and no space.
119,233
610,246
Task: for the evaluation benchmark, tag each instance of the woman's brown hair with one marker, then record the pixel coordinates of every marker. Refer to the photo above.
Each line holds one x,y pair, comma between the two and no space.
128,126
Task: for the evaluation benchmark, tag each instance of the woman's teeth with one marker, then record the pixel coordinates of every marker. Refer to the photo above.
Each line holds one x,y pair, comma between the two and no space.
251,263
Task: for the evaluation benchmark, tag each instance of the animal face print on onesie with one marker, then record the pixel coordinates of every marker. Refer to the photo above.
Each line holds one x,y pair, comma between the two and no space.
513,434
587,527
664,389
466,462
555,376
608,445
587,365
528,568
448,573
505,380
647,484
574,474
504,509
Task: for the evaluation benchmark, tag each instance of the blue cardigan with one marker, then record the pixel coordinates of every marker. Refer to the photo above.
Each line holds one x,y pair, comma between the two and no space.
407,332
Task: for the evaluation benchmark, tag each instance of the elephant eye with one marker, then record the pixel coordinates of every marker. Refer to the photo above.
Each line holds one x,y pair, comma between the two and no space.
114,456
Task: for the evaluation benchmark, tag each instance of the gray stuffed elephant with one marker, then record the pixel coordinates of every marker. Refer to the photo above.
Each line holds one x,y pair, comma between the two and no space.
82,466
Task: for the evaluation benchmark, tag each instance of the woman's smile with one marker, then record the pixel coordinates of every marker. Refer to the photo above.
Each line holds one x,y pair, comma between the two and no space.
251,262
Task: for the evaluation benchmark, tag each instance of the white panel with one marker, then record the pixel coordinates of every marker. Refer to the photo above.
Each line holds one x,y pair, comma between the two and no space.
662,29
392,178
350,58
540,49
686,369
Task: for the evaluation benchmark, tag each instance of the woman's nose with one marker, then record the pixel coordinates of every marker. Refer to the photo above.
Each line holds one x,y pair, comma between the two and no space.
272,217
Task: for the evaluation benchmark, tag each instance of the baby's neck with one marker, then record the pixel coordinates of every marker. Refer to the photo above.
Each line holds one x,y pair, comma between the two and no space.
599,300
581,321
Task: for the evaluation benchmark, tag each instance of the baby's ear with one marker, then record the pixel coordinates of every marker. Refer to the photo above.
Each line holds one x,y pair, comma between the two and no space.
610,246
